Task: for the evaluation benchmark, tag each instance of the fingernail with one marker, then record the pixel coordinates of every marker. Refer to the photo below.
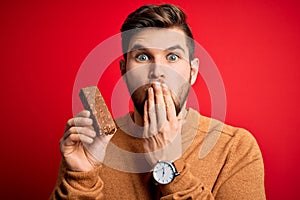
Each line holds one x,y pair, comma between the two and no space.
87,113
156,84
89,121
164,85
150,89
93,133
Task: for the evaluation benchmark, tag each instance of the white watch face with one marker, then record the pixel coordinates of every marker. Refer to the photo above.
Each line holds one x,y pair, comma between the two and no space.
164,172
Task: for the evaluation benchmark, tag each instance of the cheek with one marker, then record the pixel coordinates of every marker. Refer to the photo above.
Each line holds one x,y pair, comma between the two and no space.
132,69
178,79
180,73
136,77
185,71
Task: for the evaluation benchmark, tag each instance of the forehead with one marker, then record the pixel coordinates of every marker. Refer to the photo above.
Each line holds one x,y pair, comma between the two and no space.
159,38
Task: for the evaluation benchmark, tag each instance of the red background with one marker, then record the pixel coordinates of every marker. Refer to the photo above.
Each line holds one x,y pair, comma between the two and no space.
255,45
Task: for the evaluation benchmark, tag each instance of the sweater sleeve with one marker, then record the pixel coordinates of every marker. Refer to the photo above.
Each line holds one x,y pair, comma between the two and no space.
243,173
185,186
77,185
241,177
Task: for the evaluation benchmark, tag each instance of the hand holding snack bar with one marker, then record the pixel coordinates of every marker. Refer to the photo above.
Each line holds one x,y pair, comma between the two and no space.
85,139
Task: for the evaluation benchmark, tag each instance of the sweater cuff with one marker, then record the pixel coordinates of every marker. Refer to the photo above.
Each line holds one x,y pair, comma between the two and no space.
183,181
179,165
83,180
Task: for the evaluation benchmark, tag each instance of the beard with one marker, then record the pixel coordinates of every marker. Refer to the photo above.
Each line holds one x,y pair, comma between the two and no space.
140,95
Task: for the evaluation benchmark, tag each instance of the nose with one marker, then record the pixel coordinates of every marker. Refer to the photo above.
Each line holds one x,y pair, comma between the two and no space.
156,71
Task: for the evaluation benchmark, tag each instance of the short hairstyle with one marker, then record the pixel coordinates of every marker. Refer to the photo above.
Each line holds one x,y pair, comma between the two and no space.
157,16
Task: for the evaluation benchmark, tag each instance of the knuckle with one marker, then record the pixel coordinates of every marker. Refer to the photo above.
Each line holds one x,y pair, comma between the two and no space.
70,122
74,137
74,130
81,113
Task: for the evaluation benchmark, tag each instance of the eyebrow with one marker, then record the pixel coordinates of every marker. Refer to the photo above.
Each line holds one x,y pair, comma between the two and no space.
141,47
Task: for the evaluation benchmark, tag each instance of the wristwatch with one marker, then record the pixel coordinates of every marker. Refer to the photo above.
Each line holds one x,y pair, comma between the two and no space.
164,172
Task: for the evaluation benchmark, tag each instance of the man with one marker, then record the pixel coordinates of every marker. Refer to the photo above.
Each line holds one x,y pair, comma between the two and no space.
155,152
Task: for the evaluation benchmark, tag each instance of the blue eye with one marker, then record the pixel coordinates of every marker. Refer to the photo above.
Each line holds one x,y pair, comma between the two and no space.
172,57
142,57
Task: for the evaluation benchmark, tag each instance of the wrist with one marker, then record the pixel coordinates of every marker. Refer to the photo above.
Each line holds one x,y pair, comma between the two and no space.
164,172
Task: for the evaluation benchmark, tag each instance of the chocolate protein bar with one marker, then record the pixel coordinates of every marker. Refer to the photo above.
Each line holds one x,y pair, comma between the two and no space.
93,101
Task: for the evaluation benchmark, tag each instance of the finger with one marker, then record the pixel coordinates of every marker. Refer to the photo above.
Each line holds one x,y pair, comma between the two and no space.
75,138
170,106
146,120
83,113
159,99
73,121
80,131
151,112
79,122
160,107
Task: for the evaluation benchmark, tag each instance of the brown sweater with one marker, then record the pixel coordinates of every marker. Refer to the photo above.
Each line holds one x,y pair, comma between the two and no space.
230,169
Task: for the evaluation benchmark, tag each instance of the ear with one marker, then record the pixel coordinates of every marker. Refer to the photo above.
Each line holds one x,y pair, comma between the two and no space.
122,66
194,70
123,69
